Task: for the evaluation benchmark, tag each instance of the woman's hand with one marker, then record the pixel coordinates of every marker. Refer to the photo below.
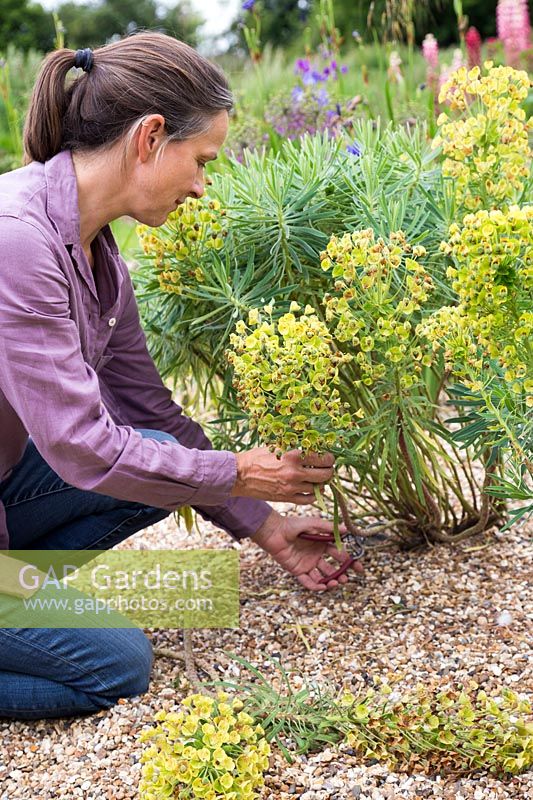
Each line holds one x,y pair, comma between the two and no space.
279,536
289,479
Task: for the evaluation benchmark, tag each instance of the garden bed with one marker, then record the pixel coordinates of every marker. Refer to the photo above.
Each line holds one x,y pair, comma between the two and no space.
431,614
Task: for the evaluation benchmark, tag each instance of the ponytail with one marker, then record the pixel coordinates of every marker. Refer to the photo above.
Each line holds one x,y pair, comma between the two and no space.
146,73
43,129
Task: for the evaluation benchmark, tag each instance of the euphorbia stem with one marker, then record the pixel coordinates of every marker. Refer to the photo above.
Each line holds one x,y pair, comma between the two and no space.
432,508
336,532
319,499
341,501
322,506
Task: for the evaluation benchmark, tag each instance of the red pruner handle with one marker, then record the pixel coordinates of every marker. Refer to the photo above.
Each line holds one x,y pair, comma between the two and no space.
340,571
317,537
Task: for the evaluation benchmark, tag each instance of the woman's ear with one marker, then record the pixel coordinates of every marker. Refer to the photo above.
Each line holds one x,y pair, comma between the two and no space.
151,134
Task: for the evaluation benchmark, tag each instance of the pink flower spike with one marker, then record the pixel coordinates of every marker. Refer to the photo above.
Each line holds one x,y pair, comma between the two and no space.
514,28
473,47
430,51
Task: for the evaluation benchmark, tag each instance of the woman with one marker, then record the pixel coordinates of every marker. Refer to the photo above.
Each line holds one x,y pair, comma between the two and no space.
92,448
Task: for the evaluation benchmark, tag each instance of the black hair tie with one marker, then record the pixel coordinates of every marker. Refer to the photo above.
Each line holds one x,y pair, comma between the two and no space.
83,59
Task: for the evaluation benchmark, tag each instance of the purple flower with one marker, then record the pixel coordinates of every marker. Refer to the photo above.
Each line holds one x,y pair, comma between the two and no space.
333,65
354,149
322,98
311,77
344,69
305,109
297,94
302,65
248,5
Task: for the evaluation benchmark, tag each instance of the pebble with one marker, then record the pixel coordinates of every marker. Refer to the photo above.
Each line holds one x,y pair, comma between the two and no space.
351,631
505,618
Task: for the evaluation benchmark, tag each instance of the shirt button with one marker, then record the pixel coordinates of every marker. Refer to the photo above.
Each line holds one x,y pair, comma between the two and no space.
112,322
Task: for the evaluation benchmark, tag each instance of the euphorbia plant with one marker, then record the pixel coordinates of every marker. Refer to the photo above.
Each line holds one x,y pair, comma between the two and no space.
435,727
354,242
363,382
217,748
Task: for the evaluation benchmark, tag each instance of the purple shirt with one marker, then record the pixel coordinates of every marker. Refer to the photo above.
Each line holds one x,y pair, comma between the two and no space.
75,372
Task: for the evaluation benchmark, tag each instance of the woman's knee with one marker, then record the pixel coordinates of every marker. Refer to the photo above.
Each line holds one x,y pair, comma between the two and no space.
68,672
135,663
127,666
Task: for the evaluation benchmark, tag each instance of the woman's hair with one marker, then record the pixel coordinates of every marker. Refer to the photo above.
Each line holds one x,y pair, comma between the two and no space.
146,73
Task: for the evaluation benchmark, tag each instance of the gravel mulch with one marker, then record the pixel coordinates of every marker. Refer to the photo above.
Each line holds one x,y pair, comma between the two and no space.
456,613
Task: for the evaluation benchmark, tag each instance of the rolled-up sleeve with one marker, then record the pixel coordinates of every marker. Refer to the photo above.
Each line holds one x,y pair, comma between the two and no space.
145,402
57,397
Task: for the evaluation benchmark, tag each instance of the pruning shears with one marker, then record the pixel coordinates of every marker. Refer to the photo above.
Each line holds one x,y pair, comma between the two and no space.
350,541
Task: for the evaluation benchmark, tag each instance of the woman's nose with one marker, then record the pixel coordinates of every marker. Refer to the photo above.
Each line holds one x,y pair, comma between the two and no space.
198,187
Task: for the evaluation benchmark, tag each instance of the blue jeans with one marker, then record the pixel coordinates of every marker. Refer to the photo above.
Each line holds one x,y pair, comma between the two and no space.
66,672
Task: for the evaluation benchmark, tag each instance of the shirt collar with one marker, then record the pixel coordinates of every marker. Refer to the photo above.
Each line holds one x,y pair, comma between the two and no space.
62,196
64,213
62,200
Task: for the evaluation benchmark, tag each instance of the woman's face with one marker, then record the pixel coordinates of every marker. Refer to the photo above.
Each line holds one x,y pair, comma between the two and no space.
161,184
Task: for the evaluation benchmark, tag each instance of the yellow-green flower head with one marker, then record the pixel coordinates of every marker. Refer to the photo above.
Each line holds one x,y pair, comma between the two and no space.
286,374
178,247
379,285
470,727
200,750
486,148
492,274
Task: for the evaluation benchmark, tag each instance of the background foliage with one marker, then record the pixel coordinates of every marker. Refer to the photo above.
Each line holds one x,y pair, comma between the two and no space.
28,26
331,132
